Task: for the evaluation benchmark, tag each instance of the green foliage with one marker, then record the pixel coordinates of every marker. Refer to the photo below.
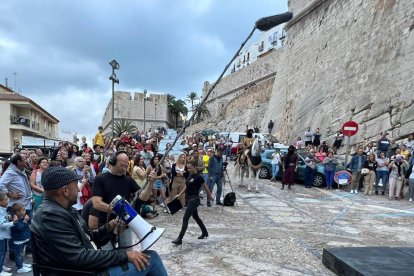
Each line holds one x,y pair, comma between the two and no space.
123,125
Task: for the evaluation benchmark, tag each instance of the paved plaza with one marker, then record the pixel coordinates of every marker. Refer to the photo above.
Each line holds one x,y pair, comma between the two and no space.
277,232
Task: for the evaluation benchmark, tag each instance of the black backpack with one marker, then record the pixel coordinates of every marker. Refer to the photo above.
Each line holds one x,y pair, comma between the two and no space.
229,199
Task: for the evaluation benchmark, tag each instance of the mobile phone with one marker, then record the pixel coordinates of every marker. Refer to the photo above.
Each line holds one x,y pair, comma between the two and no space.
88,163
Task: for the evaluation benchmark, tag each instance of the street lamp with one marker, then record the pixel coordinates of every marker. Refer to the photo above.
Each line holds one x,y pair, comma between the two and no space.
155,114
145,99
115,66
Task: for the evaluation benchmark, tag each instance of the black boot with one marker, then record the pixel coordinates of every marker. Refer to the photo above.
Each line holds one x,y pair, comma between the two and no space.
204,235
178,241
283,186
289,187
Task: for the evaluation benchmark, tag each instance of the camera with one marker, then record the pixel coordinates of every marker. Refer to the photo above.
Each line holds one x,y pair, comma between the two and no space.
225,163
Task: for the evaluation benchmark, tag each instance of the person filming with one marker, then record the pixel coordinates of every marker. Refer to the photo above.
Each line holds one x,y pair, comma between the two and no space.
63,240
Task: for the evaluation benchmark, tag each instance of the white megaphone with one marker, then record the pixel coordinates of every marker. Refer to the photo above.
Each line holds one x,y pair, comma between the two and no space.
146,233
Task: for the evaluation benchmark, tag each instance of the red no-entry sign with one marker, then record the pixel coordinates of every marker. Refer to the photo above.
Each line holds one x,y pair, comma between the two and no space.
350,128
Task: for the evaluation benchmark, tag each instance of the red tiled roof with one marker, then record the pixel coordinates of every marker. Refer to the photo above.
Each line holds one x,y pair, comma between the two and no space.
5,88
12,96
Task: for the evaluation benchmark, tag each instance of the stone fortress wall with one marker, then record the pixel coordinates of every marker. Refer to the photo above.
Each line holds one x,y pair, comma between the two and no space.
346,60
130,106
342,60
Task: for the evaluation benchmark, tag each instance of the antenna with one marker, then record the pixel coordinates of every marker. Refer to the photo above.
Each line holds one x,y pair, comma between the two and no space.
6,81
15,81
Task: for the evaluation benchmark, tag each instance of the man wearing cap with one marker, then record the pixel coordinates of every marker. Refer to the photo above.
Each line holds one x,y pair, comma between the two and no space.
63,240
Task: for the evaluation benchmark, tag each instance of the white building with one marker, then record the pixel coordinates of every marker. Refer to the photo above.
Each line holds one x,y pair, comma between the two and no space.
25,120
268,41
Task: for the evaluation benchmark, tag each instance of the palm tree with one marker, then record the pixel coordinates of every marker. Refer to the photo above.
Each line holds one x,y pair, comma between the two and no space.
201,111
192,97
123,125
177,108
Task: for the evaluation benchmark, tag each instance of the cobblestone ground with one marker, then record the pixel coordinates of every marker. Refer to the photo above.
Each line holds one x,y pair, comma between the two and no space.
277,232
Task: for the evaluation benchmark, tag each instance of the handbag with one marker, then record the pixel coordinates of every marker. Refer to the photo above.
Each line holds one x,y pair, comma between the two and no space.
365,171
174,205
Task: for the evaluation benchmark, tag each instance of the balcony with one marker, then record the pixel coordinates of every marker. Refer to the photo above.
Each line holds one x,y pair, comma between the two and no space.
20,120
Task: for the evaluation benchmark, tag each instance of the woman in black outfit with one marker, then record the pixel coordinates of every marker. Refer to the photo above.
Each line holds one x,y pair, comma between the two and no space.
191,189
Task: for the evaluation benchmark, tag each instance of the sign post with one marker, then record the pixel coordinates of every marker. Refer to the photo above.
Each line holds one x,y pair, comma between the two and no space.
349,129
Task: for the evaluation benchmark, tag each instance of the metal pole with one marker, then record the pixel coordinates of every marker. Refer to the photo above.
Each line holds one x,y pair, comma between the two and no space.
113,104
348,141
145,99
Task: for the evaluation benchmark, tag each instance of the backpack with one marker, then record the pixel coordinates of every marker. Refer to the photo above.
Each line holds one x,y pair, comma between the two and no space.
229,199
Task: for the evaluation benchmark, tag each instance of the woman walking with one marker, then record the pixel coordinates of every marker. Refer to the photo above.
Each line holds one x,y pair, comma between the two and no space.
329,164
192,187
371,165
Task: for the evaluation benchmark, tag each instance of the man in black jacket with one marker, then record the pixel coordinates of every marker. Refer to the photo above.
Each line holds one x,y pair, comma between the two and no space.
63,240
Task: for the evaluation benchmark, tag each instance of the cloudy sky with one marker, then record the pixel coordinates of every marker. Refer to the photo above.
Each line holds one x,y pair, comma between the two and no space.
60,50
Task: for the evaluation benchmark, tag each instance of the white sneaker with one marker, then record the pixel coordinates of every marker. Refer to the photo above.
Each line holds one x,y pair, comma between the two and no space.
352,191
356,191
27,265
4,273
408,200
6,268
162,204
24,269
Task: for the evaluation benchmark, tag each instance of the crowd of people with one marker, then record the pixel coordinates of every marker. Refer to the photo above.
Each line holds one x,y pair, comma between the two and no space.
86,179
380,167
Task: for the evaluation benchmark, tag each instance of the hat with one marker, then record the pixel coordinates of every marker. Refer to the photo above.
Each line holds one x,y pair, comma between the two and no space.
209,150
55,177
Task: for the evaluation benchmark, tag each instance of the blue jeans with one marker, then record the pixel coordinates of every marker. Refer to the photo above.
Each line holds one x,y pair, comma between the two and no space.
381,175
18,251
3,247
275,170
215,179
155,267
329,176
309,174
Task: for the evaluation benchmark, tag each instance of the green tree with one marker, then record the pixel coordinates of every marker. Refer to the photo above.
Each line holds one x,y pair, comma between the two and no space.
177,108
192,97
123,125
201,111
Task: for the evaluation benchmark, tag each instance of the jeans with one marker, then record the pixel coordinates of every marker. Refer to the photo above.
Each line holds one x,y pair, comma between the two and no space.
215,179
3,244
275,171
18,251
356,176
411,188
191,211
329,176
155,267
383,176
309,174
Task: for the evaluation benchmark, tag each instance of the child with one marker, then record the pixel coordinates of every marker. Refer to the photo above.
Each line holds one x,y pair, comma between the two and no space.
5,226
20,234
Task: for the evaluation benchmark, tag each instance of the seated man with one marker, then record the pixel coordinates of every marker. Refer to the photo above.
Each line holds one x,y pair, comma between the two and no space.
63,240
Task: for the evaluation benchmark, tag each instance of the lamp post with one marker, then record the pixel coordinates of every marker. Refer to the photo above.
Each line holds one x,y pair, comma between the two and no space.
145,99
155,114
115,66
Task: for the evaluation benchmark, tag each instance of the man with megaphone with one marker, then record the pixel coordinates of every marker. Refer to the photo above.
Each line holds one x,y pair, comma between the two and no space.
62,239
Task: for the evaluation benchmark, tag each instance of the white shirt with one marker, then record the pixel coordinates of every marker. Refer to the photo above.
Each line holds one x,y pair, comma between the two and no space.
275,158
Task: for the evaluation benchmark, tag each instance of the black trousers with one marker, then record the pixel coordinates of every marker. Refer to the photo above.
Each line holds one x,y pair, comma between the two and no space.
191,211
